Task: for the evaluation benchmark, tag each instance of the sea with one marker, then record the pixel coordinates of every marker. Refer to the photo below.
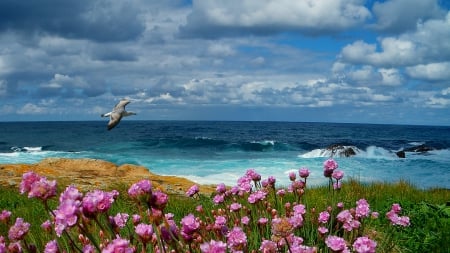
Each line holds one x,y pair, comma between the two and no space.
212,152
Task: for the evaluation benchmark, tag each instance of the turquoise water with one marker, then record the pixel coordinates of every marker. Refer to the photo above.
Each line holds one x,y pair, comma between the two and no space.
214,152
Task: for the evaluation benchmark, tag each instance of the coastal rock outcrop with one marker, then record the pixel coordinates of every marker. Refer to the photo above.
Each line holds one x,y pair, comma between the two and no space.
341,150
88,174
419,149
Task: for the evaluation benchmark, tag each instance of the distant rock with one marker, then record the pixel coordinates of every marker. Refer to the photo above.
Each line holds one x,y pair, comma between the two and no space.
401,154
342,151
419,149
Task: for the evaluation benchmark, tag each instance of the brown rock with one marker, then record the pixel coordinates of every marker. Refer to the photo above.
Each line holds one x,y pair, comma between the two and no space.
88,174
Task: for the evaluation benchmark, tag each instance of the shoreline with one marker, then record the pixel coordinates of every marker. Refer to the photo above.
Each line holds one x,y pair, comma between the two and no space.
88,174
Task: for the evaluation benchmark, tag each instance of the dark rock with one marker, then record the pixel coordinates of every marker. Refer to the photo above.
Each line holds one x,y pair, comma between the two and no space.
419,149
341,150
401,154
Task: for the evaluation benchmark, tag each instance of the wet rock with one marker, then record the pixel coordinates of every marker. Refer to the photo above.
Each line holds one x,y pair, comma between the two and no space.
342,151
401,154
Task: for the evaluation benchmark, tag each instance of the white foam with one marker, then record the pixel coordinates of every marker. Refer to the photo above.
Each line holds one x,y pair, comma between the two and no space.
370,152
265,142
32,149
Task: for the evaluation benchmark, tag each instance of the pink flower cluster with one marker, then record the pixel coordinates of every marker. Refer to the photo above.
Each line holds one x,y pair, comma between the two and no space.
395,218
330,171
37,186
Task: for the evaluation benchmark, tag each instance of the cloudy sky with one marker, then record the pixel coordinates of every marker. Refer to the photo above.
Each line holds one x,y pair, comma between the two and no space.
305,60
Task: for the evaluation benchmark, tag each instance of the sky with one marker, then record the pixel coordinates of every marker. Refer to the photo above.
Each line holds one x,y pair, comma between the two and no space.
352,61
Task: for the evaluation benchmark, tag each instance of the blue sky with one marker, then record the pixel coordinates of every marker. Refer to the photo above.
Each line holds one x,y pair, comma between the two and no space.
324,60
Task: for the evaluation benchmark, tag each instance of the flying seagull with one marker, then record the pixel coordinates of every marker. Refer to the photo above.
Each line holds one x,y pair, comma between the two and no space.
117,113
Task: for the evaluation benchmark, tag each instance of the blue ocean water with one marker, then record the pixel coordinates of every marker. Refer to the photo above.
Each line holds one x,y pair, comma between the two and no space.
214,152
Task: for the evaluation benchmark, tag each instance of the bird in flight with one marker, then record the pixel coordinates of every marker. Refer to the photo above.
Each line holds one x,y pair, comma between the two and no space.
117,113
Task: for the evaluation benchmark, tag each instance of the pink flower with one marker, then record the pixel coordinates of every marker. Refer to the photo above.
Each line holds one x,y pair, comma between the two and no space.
97,201
221,188
120,220
88,248
245,220
329,166
28,179
335,243
324,217
235,207
189,224
236,240
220,221
71,193
5,216
396,208
245,184
296,220
337,174
42,189
256,196
136,218
322,230
51,247
213,247
118,245
18,231
292,176
337,186
144,231
219,198
141,188
66,215
263,221
374,215
299,209
159,200
362,208
281,192
46,226
272,180
303,172
364,245
253,175
192,191
395,219
14,247
268,247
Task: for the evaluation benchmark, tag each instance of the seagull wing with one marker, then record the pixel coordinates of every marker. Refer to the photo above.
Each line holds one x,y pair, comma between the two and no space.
121,105
114,119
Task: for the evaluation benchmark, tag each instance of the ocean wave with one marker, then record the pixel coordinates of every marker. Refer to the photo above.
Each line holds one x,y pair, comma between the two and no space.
27,149
202,142
369,152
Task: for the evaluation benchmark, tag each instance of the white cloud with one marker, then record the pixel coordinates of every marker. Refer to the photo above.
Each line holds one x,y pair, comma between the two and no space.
220,50
412,12
276,15
429,43
390,76
434,71
30,108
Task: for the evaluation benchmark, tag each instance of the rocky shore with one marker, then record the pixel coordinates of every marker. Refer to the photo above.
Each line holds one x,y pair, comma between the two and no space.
88,174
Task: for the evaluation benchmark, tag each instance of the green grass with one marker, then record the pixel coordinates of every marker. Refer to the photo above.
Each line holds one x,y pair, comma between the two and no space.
429,212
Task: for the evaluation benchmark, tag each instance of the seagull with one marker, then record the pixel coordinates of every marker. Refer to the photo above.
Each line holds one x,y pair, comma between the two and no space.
117,113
